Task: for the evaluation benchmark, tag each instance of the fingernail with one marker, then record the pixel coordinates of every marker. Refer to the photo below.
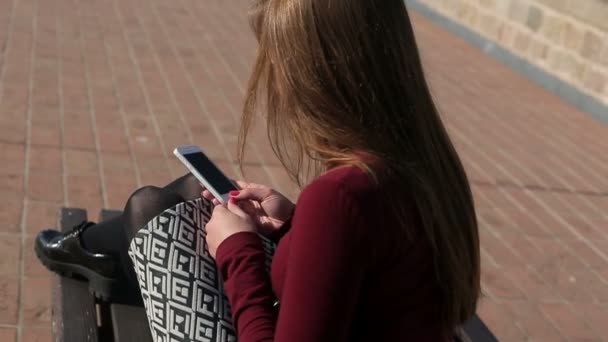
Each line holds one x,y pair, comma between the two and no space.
234,193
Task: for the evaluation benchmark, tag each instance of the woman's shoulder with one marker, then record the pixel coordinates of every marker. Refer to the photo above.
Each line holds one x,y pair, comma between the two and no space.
349,180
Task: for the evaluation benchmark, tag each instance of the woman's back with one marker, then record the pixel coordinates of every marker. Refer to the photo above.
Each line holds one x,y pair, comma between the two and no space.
342,272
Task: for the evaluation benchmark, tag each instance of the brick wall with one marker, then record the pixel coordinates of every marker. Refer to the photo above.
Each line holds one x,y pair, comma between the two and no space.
567,38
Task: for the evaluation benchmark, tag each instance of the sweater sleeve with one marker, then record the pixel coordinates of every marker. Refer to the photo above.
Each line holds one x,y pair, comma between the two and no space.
241,261
325,268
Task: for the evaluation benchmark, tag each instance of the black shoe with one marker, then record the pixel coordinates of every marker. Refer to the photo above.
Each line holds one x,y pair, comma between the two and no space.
64,254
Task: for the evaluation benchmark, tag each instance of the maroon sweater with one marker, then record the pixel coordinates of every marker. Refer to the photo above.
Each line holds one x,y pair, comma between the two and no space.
341,272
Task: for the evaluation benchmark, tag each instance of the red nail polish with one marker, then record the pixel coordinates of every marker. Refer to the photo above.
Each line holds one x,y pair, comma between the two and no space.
234,193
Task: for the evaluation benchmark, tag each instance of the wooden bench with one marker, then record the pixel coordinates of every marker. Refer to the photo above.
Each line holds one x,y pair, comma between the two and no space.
79,317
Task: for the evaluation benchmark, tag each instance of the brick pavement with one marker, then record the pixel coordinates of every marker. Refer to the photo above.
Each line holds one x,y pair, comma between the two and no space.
95,94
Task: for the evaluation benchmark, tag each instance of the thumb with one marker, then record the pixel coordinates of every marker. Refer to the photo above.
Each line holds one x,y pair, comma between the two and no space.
256,194
235,209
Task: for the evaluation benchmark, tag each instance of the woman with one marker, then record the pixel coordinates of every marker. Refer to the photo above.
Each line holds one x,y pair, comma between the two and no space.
383,242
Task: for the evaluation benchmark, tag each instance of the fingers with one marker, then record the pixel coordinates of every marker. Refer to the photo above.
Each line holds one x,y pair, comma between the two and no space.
249,191
250,208
256,194
234,208
219,208
247,185
241,184
208,196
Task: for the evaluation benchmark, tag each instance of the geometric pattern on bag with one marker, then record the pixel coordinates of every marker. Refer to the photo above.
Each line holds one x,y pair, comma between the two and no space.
180,285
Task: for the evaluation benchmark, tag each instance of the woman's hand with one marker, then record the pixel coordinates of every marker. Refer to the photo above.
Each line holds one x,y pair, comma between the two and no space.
226,220
268,208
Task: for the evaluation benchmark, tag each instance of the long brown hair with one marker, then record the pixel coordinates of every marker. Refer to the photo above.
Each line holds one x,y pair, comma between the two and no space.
335,77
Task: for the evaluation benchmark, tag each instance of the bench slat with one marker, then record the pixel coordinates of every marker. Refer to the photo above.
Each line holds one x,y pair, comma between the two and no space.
74,314
129,322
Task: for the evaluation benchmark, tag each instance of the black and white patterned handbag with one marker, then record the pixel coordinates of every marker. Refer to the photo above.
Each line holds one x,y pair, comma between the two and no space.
181,287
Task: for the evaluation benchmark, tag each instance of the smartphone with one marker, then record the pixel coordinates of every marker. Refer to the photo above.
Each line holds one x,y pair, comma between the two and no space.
206,172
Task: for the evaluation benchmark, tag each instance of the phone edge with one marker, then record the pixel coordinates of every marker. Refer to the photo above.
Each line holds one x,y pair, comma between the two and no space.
198,175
